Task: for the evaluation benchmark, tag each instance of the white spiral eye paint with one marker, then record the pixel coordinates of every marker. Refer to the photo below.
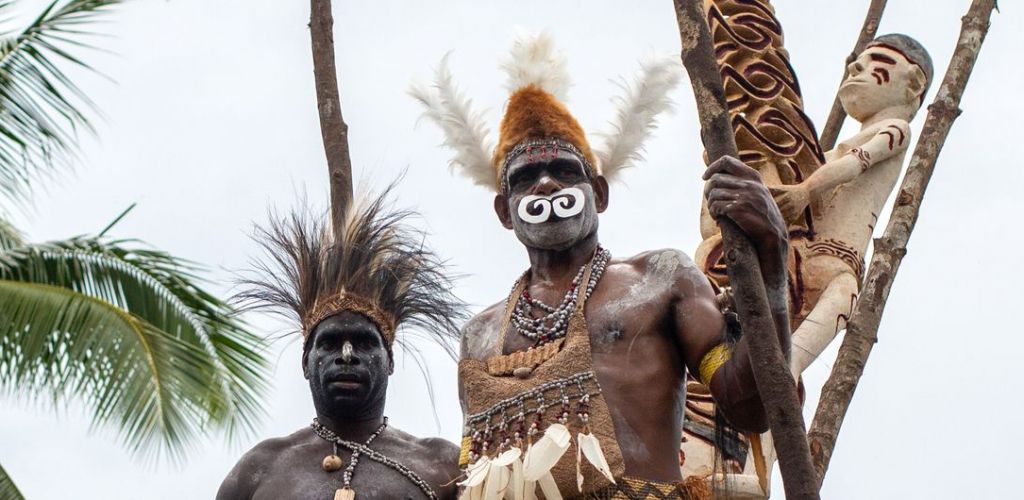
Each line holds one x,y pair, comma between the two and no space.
565,203
532,202
568,202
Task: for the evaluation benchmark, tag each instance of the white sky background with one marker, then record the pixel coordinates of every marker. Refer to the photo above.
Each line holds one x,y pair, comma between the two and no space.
212,119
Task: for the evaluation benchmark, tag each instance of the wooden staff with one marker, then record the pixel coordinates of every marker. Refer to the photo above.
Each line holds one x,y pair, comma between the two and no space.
862,329
771,371
834,123
333,129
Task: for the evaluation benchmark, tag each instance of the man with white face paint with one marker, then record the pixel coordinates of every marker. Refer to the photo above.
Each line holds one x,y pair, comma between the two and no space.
587,357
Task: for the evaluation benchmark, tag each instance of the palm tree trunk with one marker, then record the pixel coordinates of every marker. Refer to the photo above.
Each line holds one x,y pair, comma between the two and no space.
333,129
862,329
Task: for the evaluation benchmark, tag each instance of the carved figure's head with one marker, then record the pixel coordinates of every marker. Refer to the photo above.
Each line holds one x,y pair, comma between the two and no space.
893,72
551,199
347,362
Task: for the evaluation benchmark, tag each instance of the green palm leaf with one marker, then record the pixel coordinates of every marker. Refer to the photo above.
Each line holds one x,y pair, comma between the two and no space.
40,107
8,491
10,236
130,332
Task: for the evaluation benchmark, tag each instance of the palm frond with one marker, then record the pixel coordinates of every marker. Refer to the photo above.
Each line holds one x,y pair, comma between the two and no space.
131,332
40,107
10,236
8,491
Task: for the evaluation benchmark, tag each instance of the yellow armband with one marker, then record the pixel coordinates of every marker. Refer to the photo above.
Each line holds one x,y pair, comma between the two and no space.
712,361
467,442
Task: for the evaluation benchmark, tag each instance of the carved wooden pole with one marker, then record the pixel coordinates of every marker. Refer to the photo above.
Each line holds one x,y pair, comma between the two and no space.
867,33
333,129
862,329
771,371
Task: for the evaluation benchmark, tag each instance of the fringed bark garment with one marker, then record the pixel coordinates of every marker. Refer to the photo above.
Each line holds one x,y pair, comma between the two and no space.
497,402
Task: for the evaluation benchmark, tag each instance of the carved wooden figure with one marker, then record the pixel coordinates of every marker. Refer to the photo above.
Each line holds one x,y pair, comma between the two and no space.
884,89
831,201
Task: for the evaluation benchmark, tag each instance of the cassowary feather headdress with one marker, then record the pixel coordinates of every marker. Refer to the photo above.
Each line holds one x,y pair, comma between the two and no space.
376,266
536,118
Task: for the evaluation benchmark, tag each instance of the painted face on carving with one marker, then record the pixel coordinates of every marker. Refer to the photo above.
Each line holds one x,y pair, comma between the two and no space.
551,202
881,78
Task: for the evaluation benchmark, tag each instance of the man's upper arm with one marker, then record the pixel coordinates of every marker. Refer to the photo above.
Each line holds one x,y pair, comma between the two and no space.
446,455
698,321
475,342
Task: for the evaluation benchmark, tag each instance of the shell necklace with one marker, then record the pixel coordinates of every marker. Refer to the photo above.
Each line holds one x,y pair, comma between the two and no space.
333,462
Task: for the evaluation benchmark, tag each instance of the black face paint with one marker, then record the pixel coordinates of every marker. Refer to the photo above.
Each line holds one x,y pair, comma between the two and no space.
347,364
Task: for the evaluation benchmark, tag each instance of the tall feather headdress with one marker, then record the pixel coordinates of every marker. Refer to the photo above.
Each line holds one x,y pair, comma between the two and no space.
537,78
377,266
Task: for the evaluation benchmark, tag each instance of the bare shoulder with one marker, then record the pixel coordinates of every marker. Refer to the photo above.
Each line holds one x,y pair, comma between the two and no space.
436,458
245,477
480,333
666,267
438,449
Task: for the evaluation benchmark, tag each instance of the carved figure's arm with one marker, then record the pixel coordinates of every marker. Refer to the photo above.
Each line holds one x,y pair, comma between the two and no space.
891,139
708,227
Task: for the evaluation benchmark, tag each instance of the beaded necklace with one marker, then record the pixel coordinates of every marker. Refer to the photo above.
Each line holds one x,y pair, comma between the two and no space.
333,462
553,324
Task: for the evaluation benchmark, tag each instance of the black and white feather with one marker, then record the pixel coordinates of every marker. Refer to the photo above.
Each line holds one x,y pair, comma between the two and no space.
377,256
465,129
637,110
533,60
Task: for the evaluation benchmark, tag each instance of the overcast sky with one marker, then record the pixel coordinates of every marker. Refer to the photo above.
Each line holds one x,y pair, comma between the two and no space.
212,119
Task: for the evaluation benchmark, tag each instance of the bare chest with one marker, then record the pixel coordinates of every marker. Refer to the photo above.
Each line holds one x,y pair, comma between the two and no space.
302,477
623,310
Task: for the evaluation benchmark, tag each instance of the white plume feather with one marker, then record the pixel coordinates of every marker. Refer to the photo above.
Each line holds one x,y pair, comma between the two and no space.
636,114
534,61
465,130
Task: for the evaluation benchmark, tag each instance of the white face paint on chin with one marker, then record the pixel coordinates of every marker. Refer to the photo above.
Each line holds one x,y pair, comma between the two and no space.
558,221
565,203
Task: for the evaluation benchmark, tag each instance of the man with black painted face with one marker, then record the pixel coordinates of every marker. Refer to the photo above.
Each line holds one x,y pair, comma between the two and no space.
350,297
575,383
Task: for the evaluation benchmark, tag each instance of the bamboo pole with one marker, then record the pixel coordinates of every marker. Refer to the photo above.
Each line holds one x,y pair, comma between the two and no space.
834,123
771,371
862,329
333,129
